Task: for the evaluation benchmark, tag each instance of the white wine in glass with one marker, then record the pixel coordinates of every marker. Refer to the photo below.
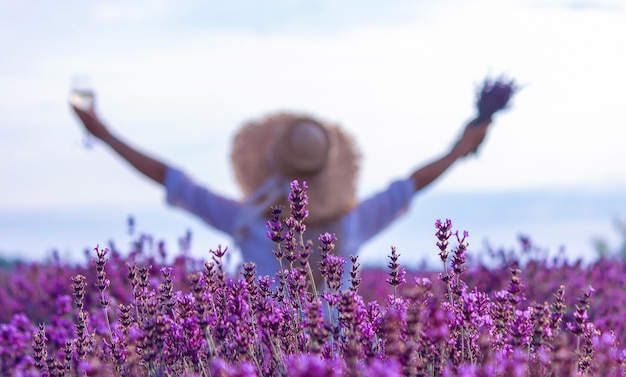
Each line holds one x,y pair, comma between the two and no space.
82,94
82,97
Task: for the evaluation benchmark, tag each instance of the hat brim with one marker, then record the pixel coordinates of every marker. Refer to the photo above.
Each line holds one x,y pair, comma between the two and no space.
332,192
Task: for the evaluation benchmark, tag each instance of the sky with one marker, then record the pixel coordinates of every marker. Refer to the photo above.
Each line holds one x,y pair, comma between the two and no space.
177,78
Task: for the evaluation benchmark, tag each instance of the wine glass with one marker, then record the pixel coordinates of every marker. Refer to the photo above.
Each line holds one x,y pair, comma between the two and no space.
82,97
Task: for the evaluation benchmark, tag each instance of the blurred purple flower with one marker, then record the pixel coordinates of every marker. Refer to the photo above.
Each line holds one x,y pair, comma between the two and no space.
312,366
493,97
387,368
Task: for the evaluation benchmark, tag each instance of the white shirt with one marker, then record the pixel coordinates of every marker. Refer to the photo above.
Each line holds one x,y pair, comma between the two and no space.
367,219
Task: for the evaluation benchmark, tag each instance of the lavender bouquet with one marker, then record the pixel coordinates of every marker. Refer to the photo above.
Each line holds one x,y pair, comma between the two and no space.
493,97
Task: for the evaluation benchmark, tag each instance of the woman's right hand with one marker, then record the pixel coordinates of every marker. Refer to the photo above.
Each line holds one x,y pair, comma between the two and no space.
148,166
473,135
91,122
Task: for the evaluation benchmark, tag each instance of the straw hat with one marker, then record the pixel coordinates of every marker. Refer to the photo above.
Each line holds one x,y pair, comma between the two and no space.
284,146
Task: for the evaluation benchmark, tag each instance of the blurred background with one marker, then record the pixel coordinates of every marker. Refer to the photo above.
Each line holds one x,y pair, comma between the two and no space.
177,79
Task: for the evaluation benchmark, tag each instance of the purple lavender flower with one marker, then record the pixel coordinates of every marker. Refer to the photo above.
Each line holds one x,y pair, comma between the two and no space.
131,225
275,226
443,234
298,200
334,271
355,280
493,97
291,243
396,274
40,352
387,368
242,328
327,240
314,322
312,366
220,367
521,328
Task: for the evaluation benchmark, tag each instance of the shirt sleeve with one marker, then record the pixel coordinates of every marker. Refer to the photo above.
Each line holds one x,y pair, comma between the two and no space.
218,211
377,212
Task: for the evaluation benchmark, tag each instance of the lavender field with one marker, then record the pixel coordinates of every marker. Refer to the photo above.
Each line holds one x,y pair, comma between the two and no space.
128,313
